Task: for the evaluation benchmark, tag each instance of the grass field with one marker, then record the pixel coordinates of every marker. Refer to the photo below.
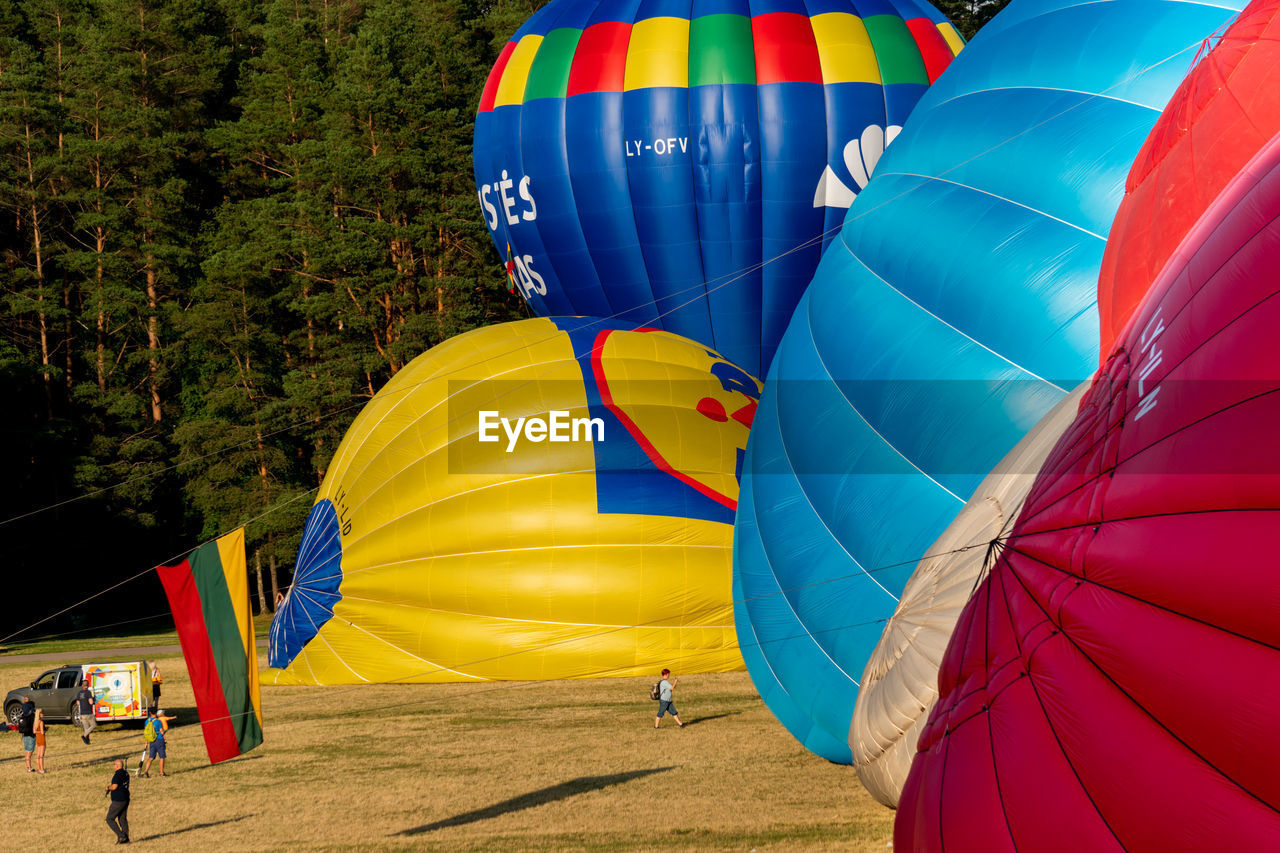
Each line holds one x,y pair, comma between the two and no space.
569,765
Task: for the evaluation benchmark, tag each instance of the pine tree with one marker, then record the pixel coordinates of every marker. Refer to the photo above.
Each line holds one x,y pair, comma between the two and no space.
28,124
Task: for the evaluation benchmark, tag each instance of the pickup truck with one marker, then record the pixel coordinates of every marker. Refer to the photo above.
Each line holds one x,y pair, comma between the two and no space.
120,691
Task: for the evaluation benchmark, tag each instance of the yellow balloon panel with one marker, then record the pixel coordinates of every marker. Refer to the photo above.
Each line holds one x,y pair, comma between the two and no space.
551,498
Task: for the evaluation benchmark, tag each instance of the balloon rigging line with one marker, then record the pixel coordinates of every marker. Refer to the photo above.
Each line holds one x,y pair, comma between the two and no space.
489,686
730,278
993,542
183,554
40,640
660,620
850,217
171,560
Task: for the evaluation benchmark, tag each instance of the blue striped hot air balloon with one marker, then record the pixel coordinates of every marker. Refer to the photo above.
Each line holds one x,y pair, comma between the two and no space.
677,164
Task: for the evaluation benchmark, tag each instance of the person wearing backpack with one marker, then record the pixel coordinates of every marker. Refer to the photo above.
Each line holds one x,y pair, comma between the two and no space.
665,703
27,728
153,734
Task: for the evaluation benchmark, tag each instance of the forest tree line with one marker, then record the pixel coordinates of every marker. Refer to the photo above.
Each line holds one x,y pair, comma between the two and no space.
224,224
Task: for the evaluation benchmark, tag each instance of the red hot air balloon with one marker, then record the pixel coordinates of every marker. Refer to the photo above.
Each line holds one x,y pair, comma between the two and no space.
1224,111
1114,683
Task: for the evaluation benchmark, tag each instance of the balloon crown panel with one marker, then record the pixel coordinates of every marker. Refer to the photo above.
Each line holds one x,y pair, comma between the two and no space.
684,165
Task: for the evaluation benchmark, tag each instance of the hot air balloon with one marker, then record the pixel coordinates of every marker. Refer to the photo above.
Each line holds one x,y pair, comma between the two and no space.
1218,118
1224,111
454,538
900,682
1113,683
681,165
956,307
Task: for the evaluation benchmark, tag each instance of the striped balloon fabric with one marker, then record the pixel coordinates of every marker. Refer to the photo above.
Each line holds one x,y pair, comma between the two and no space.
756,43
209,596
682,164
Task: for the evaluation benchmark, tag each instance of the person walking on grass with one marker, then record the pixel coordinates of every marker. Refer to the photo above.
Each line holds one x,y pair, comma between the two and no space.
156,681
39,729
27,728
118,813
85,701
153,734
665,703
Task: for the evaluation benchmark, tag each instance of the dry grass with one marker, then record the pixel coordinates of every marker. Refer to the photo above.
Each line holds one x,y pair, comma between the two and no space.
502,766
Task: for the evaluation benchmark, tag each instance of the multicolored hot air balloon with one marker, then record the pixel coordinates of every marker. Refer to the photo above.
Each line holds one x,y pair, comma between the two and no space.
1113,684
449,544
954,310
682,165
1221,114
1224,111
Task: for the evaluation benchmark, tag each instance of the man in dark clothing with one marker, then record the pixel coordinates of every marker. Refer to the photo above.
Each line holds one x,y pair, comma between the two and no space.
85,700
118,813
27,728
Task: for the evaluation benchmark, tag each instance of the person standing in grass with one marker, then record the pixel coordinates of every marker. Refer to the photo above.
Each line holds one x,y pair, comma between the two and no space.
156,681
153,734
665,702
85,700
118,813
39,729
27,728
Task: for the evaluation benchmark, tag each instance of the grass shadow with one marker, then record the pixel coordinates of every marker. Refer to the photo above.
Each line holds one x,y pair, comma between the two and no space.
192,828
238,759
564,790
105,761
711,717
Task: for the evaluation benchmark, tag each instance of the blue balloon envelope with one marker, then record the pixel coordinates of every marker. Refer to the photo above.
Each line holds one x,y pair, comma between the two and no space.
682,164
955,307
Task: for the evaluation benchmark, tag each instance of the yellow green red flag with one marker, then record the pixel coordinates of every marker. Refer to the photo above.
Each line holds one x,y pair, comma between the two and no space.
209,596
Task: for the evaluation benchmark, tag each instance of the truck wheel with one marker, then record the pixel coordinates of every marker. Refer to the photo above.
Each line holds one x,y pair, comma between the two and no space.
13,712
74,713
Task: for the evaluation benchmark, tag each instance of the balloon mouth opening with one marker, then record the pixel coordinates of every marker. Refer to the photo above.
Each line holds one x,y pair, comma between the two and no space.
314,592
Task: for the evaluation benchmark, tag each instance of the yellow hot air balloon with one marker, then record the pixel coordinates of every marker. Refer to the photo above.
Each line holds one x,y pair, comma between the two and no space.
550,498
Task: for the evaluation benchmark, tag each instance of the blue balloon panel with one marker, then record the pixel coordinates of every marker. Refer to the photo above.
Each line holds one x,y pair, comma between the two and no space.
955,308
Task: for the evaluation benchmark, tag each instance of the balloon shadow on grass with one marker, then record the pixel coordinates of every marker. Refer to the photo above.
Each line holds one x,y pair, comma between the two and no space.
193,828
564,790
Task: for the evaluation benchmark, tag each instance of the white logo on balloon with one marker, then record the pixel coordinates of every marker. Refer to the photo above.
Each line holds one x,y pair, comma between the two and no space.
860,157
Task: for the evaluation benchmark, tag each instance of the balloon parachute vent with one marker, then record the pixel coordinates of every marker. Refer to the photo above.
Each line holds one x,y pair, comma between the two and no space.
314,594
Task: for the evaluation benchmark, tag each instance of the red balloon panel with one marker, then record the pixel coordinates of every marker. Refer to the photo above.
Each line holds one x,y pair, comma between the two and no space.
1114,684
1224,111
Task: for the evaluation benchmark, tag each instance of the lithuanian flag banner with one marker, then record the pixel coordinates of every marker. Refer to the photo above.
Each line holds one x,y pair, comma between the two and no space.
209,596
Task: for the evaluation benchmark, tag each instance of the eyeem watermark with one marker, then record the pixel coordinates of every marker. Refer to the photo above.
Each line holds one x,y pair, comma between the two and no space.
557,427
